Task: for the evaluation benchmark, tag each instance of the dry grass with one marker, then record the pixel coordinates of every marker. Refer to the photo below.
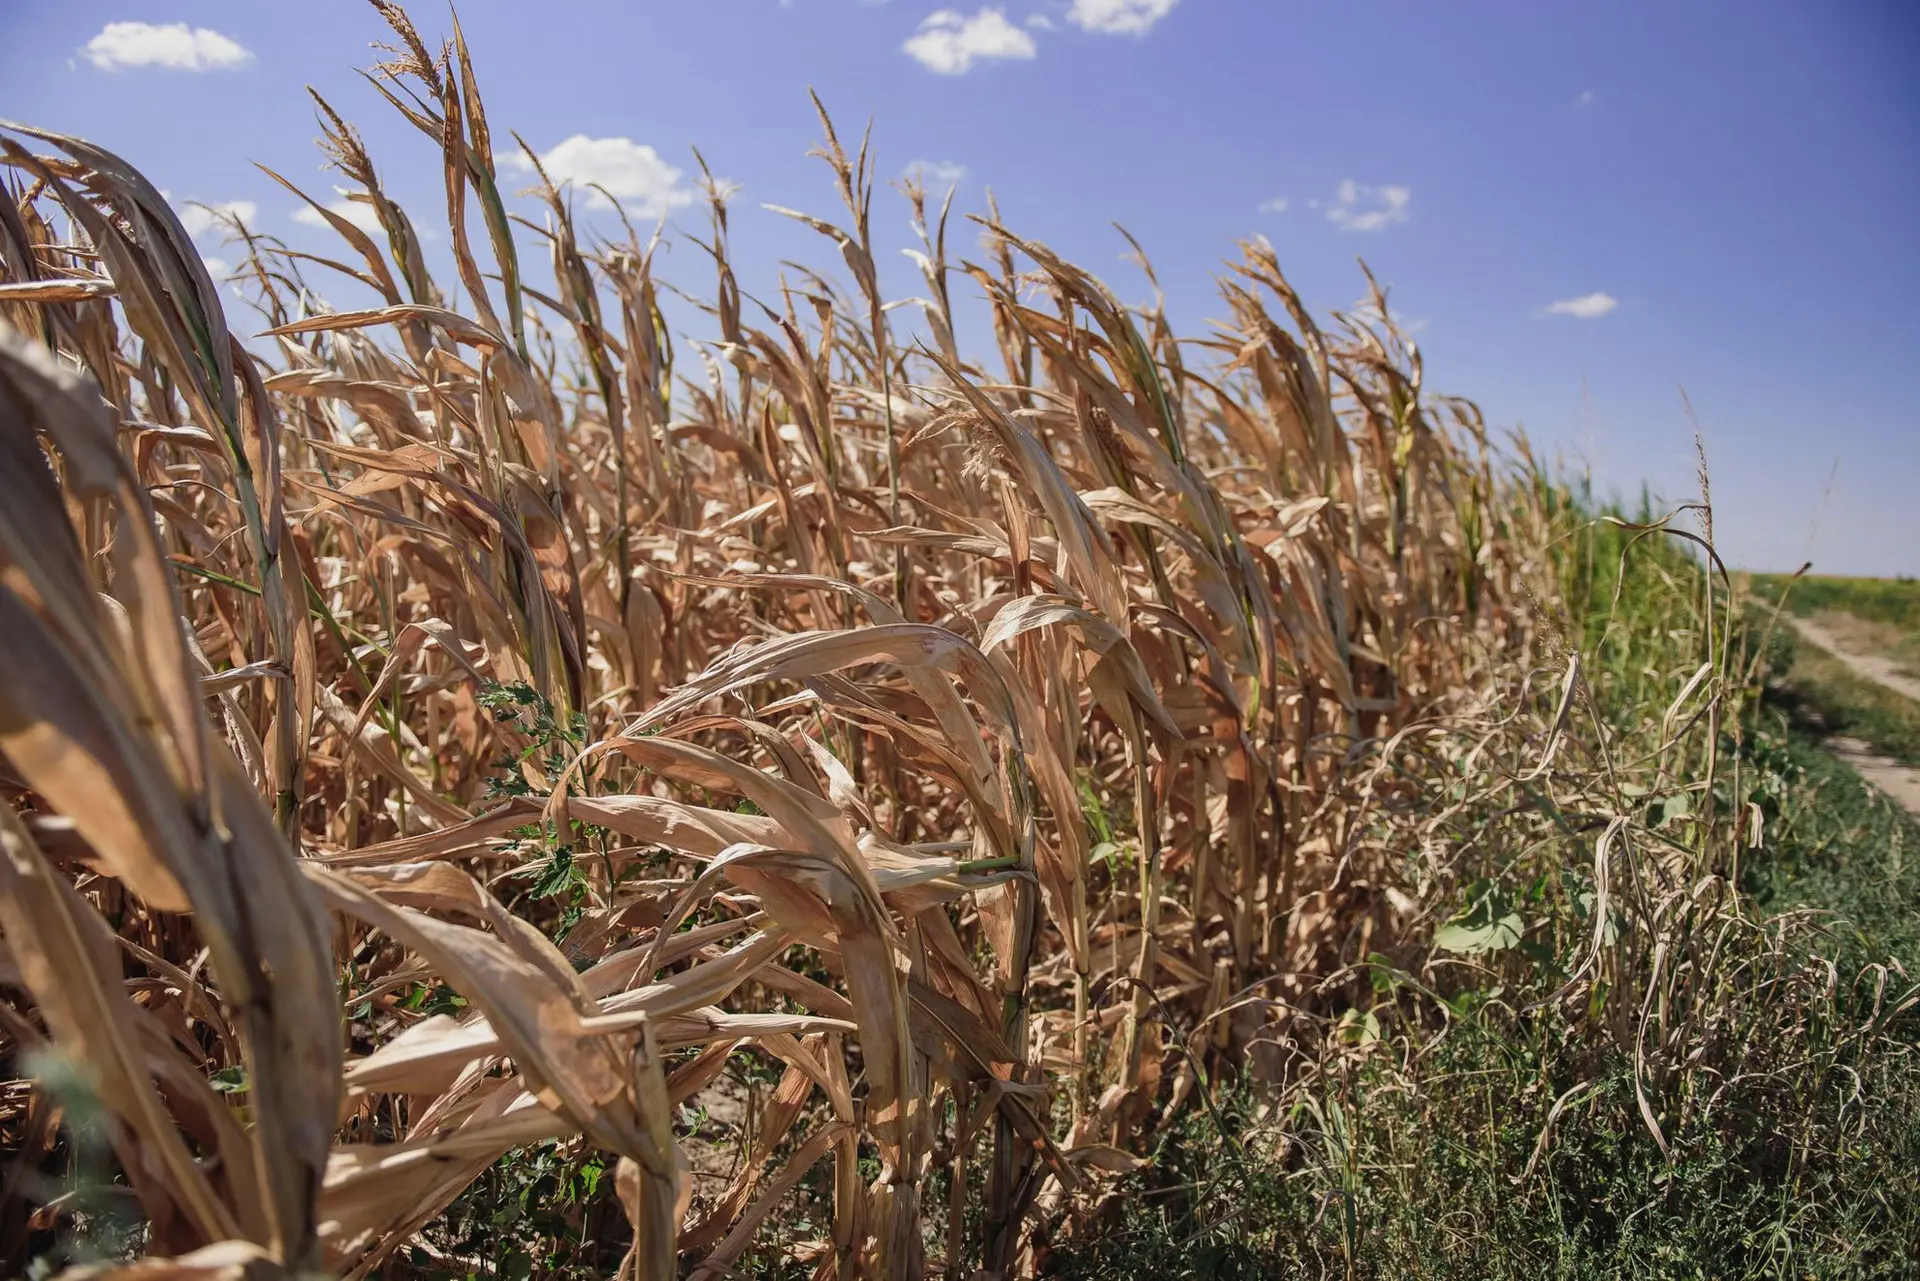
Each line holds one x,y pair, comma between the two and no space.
562,713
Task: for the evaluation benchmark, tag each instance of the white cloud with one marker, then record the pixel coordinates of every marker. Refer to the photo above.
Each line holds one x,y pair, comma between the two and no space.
1276,205
1040,22
1586,307
199,217
174,45
1358,208
936,173
1119,17
1585,99
950,43
1408,325
631,172
360,215
216,266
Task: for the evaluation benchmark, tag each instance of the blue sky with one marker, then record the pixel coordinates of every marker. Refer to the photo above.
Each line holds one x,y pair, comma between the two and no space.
1722,197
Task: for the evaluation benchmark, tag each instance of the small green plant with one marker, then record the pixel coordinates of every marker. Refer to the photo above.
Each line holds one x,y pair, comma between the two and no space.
553,741
558,877
539,1210
97,1217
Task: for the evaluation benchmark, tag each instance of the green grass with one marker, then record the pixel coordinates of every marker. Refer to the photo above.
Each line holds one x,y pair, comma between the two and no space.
1844,849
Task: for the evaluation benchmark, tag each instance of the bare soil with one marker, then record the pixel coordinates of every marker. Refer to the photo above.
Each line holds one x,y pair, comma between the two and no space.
1874,667
1901,782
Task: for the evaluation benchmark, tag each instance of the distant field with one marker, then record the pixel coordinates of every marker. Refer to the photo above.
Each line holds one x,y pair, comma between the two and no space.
1873,617
1837,699
1894,602
1858,635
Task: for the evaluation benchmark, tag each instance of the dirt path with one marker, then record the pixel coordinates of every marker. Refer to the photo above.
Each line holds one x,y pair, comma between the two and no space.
1872,667
1901,782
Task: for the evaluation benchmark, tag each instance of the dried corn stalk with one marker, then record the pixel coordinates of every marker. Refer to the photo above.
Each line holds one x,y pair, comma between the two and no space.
1022,701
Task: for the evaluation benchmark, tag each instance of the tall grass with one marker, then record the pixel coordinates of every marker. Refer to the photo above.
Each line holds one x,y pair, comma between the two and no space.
497,728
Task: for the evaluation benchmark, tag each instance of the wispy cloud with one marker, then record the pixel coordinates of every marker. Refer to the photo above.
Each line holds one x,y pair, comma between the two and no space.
1359,208
1586,307
1585,99
1277,204
174,45
1366,310
356,212
631,172
936,173
950,43
1040,22
199,217
1119,17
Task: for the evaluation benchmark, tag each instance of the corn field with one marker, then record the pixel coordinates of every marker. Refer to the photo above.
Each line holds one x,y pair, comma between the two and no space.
476,719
